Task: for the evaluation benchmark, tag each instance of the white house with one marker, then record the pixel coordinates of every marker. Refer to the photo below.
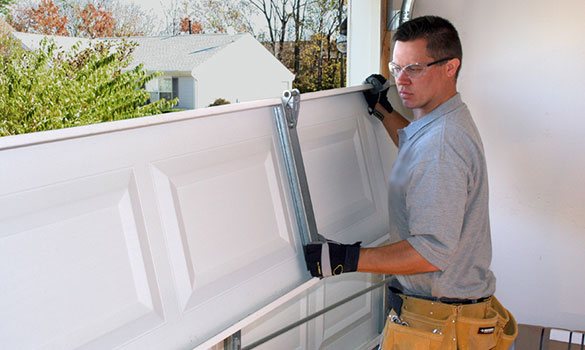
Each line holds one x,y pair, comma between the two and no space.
200,68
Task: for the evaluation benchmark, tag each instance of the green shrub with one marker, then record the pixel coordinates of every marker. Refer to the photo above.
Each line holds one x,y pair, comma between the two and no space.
50,89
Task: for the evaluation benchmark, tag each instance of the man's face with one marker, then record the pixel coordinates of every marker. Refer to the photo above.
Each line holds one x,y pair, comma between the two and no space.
425,93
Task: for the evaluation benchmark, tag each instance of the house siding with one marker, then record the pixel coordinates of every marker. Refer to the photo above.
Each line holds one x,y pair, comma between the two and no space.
243,71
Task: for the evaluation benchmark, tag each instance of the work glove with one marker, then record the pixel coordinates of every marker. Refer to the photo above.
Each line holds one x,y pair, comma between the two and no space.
331,258
377,94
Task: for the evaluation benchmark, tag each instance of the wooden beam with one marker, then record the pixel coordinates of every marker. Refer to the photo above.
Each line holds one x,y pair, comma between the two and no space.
385,36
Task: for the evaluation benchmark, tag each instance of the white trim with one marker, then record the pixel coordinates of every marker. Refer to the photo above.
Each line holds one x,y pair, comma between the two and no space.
15,141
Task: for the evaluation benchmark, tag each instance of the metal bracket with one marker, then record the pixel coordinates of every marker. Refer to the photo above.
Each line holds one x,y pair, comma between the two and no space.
286,117
291,102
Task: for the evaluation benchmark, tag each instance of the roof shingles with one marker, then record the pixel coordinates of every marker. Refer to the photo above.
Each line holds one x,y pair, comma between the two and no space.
179,53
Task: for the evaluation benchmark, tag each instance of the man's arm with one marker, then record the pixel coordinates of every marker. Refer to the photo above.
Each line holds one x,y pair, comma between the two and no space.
332,258
399,258
392,122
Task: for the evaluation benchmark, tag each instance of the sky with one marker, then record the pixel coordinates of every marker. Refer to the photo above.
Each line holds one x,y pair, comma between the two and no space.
157,6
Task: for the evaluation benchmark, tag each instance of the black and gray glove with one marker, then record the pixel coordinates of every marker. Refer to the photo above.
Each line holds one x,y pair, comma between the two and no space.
331,258
377,94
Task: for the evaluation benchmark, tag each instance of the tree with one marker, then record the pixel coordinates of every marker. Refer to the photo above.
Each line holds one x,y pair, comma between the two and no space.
131,19
317,70
277,15
222,16
322,20
311,52
47,89
298,13
213,16
173,15
81,18
190,26
96,22
4,6
45,18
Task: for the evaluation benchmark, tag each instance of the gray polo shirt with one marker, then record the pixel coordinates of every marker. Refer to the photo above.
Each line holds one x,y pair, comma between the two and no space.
438,201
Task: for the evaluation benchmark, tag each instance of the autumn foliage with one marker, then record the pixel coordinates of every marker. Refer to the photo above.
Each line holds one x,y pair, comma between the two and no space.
89,21
196,27
96,22
44,19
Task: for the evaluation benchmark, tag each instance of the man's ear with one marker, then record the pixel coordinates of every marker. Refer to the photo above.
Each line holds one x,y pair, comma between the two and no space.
452,66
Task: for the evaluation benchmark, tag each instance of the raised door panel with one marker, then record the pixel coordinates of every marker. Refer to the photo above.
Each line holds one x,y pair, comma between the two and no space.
155,235
343,166
226,219
222,209
76,267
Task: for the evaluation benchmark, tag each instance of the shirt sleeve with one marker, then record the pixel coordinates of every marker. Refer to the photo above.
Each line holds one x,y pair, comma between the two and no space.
436,199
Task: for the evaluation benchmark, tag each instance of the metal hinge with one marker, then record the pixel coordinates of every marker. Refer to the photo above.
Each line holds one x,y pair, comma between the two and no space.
291,102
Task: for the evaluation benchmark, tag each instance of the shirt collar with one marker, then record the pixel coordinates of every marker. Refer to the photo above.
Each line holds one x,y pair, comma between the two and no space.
442,109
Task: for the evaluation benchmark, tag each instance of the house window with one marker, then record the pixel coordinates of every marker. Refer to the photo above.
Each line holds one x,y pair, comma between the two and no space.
163,87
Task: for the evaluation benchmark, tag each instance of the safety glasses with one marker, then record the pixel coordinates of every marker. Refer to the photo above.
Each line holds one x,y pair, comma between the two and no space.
414,70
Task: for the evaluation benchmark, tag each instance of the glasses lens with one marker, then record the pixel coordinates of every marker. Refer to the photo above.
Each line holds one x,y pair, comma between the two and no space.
394,69
414,70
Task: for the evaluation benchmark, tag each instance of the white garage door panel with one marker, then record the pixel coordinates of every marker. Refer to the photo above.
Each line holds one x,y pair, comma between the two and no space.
343,168
147,237
212,204
162,232
55,285
333,151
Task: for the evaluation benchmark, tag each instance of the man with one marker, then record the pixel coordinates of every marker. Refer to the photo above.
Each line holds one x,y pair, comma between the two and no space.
438,201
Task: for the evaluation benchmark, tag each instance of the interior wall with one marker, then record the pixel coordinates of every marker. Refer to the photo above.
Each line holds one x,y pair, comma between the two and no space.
523,77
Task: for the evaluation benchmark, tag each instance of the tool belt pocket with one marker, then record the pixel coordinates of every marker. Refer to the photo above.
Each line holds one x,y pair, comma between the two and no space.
508,325
496,330
478,333
414,332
